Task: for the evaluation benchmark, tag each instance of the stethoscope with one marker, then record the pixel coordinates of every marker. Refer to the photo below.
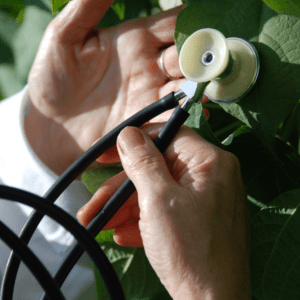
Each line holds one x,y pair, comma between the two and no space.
223,69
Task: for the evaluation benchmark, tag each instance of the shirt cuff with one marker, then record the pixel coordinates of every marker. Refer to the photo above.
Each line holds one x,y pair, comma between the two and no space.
20,167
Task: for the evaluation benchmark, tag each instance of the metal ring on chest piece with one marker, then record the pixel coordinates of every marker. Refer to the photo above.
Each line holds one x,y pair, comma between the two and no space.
242,77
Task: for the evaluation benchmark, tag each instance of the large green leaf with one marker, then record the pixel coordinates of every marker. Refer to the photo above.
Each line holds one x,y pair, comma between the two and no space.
277,39
285,6
276,249
265,176
138,279
198,122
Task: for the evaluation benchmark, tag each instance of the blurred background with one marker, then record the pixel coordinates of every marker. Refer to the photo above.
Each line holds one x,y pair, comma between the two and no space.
23,22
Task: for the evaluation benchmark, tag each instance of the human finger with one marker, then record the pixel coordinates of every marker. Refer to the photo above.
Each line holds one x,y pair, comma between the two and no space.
169,63
112,155
103,194
162,26
152,129
109,156
79,18
128,235
143,163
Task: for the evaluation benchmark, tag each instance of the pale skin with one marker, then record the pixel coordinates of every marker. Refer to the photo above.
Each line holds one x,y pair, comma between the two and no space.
85,82
189,214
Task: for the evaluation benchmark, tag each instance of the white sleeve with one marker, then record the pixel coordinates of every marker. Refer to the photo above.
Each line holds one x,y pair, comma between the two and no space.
21,168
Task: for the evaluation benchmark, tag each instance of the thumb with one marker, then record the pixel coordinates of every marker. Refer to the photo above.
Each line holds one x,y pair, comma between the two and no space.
142,162
78,19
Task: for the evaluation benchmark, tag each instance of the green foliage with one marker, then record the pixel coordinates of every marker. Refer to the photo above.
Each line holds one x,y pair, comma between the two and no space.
96,177
12,7
276,248
285,6
22,26
138,279
58,5
119,8
197,121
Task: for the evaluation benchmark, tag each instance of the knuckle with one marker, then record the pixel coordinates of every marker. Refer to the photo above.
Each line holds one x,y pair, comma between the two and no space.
222,162
52,28
142,159
55,31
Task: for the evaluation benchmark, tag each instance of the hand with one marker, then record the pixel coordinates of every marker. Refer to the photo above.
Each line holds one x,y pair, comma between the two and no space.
84,82
190,214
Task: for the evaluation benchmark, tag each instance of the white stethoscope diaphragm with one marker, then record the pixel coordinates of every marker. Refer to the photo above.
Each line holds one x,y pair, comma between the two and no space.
231,65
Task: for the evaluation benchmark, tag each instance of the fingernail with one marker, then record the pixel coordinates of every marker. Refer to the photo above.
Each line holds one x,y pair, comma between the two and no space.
79,212
130,138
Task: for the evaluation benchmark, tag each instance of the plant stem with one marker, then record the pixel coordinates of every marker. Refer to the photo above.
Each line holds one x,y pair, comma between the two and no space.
231,127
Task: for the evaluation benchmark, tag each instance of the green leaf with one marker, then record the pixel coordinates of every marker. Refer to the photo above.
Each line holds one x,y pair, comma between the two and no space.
197,121
11,7
94,178
265,176
27,39
57,5
285,6
277,40
119,7
105,236
276,249
137,9
138,279
110,19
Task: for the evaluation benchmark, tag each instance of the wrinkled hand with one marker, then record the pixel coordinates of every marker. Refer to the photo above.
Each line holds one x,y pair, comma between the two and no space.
189,213
84,82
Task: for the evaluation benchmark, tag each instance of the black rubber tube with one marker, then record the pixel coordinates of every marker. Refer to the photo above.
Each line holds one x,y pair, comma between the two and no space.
166,103
35,266
85,239
162,141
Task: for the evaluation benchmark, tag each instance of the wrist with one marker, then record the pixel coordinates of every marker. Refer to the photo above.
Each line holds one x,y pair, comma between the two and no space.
198,292
222,287
43,137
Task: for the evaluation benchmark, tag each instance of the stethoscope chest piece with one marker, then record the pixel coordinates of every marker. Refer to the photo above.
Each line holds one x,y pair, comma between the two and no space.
231,65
